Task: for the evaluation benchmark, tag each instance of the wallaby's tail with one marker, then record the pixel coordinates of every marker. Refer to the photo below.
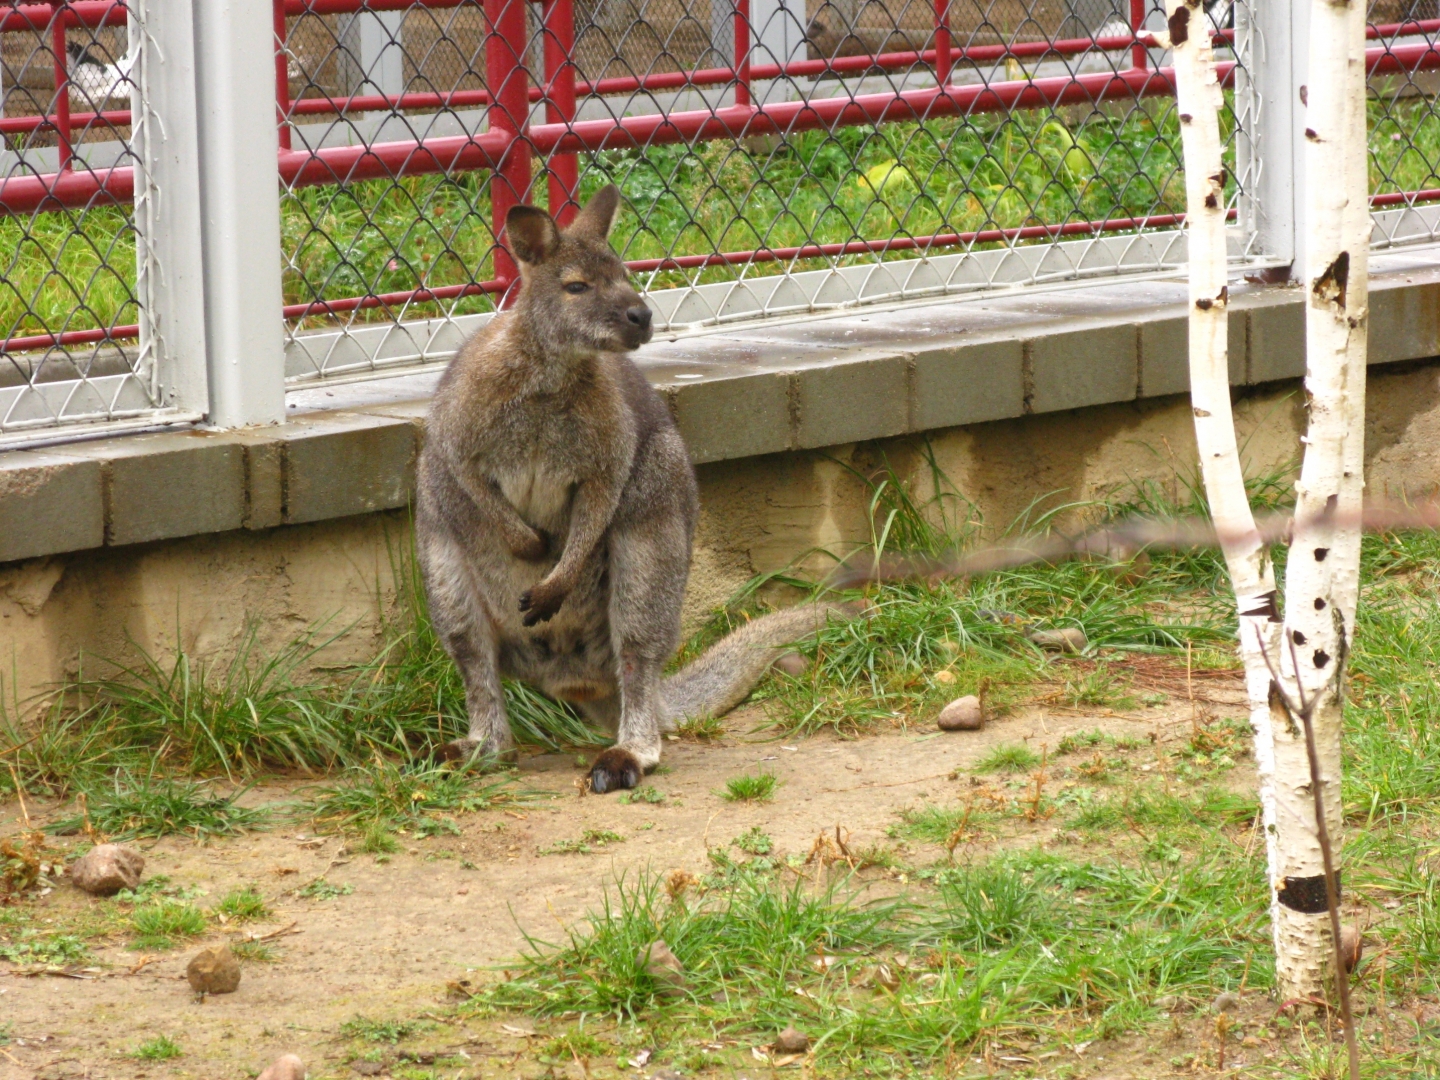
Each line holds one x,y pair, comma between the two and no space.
719,678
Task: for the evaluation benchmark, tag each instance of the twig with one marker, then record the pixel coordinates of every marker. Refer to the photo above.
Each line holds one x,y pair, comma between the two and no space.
20,794
1304,714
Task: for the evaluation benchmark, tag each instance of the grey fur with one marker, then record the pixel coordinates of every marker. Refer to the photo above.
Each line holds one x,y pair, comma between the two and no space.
556,509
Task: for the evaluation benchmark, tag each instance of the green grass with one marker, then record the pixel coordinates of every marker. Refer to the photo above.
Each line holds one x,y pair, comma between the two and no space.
160,1048
754,841
242,906
750,787
164,923
365,1029
322,890
588,842
1008,757
419,796
30,948
131,806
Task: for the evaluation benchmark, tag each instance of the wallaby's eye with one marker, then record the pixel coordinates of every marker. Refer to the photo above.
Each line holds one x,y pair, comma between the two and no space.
576,287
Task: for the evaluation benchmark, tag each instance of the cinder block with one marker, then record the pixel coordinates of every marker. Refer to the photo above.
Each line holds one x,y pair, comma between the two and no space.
734,416
1165,357
1073,368
49,503
850,399
1404,323
1277,338
969,382
348,464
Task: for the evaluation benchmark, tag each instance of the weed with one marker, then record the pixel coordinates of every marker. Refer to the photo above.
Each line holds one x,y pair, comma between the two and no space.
253,952
589,840
159,922
131,806
378,840
574,1044
702,728
1008,757
380,1031
320,889
647,794
750,787
160,1048
50,950
242,905
754,841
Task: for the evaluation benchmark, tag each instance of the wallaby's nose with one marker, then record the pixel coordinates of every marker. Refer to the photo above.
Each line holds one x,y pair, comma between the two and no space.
638,316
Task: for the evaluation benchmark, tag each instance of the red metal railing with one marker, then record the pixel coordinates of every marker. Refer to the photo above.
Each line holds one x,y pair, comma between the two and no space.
512,142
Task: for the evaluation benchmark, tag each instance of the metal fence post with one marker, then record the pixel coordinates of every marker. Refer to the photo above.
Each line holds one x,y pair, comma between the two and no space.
374,57
240,206
777,35
170,278
1279,62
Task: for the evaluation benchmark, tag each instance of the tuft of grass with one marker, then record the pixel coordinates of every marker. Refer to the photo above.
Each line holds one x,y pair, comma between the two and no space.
589,840
321,889
378,840
754,841
648,793
243,905
49,950
380,1031
750,787
130,806
1008,757
159,923
419,795
160,1048
253,952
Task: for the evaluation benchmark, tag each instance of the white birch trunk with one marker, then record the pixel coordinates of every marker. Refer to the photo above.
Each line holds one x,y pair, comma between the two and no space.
1322,578
1198,100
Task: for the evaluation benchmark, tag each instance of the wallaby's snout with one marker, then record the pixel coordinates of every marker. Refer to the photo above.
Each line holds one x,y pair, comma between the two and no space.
577,292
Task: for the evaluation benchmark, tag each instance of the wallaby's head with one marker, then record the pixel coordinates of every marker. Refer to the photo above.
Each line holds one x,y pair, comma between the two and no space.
576,293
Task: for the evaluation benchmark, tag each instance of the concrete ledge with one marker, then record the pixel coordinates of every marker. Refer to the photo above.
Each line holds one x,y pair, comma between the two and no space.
759,388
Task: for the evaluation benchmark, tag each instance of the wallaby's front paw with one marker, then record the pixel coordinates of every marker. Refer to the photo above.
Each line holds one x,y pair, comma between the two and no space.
614,770
541,603
532,548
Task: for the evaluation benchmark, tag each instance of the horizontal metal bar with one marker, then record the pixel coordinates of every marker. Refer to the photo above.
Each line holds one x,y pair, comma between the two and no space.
33,17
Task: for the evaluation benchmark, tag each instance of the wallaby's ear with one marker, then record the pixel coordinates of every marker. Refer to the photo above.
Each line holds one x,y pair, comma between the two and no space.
532,232
598,217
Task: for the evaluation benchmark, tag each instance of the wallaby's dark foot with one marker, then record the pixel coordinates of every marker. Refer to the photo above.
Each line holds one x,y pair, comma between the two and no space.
541,603
614,770
465,749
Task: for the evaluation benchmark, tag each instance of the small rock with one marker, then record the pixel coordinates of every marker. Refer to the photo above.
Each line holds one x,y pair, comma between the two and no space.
1069,640
1167,1003
792,664
285,1067
1249,1042
962,714
664,967
214,971
945,677
1227,1002
792,1041
368,1068
107,868
668,1074
949,646
1351,947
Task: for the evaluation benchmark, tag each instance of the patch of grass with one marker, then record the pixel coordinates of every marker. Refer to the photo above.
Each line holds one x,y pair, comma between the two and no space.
702,729
754,841
1008,757
564,1049
750,787
59,950
160,1048
589,840
321,889
649,793
378,840
253,952
418,794
380,1031
159,923
243,905
130,806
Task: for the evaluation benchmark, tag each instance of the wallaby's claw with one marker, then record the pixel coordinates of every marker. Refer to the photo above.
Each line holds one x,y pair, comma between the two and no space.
540,604
615,769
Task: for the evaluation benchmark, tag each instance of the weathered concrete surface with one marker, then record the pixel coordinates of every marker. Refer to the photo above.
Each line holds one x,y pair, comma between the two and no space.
758,514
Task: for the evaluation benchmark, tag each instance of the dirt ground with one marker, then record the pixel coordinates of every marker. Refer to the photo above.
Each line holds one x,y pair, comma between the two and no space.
445,908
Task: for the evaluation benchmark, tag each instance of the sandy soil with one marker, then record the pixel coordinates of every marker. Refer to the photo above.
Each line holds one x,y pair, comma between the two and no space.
446,906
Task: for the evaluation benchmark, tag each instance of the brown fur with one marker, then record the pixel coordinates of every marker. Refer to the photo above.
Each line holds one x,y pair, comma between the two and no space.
556,508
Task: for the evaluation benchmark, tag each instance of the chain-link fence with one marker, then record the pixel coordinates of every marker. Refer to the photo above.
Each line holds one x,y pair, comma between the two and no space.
1404,125
777,156
74,340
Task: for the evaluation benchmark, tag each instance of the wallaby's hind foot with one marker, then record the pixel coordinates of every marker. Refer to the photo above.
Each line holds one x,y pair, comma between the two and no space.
615,770
466,749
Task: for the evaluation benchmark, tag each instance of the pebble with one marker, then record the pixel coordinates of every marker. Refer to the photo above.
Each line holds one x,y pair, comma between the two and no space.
664,967
792,664
1069,640
962,714
1227,1002
1167,1003
107,868
214,971
1351,947
368,1068
945,677
285,1067
792,1041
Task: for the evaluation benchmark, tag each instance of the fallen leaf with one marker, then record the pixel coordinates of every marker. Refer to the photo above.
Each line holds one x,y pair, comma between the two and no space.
640,1060
519,1033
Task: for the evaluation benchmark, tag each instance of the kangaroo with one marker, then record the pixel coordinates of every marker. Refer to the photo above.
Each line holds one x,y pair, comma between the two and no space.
556,509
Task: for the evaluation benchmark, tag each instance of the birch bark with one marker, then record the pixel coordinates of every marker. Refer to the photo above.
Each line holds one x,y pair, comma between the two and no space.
1322,578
